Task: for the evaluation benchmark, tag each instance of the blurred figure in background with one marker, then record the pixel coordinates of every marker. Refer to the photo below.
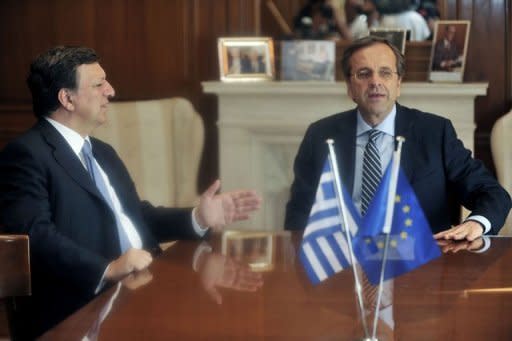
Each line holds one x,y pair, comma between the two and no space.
429,11
402,13
322,19
366,14
362,15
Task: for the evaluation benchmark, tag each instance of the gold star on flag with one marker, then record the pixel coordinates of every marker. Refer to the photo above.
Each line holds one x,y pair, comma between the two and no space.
398,198
393,243
380,245
403,235
408,222
406,209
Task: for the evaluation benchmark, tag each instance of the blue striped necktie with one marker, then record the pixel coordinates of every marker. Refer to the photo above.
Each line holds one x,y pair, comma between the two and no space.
371,170
94,172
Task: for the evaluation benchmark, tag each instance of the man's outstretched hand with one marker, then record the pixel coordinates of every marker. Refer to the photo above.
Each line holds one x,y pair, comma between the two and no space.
217,210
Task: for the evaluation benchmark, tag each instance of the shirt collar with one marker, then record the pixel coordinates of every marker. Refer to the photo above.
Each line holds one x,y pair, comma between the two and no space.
387,126
74,139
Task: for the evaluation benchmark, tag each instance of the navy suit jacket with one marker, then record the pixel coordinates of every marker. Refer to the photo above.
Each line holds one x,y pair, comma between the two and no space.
434,160
46,192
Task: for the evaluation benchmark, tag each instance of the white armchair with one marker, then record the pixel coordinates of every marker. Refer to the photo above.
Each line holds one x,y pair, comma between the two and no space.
160,142
502,156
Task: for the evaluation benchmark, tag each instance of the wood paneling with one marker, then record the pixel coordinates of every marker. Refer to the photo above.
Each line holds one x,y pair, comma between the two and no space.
161,48
149,49
489,57
4,330
287,8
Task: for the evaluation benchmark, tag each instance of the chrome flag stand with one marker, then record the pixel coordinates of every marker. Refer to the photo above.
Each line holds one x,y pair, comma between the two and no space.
387,228
343,209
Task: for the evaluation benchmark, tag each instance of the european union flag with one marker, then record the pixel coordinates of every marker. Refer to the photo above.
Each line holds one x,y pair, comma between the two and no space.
411,241
324,250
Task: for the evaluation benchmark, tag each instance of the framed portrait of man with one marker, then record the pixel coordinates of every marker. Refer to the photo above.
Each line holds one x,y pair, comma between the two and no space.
246,59
395,36
449,49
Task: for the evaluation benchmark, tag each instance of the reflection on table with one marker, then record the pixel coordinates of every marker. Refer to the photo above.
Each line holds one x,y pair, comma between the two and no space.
251,286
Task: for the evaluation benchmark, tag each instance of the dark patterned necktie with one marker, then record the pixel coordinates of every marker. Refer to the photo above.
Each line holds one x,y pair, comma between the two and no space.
371,170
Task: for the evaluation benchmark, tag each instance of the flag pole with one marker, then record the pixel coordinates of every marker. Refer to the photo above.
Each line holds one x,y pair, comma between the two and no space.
341,206
387,225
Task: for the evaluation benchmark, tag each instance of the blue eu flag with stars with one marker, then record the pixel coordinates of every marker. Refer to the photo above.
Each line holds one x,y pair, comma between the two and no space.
411,241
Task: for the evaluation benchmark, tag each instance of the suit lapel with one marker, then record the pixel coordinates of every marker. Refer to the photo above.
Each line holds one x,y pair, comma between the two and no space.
67,159
404,127
345,138
129,200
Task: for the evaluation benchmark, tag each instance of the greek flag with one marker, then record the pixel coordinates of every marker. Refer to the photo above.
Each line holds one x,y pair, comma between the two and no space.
324,250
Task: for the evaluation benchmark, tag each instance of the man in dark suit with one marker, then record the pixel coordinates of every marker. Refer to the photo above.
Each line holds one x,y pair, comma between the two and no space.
86,224
446,52
436,163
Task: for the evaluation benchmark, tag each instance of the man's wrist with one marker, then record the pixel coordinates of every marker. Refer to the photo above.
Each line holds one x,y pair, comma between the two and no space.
198,219
479,224
198,228
483,221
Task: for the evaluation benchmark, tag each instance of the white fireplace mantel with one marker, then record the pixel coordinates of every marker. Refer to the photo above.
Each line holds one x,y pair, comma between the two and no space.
262,123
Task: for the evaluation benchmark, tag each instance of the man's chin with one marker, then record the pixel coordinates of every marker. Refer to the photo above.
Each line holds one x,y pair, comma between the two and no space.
378,110
99,122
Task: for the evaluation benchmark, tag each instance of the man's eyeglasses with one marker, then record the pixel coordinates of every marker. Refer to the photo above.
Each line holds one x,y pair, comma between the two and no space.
366,74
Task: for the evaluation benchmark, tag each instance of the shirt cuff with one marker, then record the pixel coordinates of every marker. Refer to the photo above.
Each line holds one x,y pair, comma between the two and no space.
200,231
487,244
486,224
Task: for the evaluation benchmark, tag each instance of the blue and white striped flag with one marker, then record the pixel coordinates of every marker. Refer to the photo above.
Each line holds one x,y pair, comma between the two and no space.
324,250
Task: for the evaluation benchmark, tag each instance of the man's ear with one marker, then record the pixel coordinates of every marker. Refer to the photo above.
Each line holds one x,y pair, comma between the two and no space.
65,99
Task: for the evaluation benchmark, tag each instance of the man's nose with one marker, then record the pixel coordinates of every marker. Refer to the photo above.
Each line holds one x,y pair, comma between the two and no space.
375,79
110,92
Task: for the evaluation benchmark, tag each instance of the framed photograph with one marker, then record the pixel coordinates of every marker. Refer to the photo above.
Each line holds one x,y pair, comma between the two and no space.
253,248
308,60
396,36
449,49
246,59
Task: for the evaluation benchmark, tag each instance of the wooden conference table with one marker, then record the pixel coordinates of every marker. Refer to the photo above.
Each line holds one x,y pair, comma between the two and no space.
460,296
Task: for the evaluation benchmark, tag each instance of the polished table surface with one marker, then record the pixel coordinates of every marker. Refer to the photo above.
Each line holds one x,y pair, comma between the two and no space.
203,291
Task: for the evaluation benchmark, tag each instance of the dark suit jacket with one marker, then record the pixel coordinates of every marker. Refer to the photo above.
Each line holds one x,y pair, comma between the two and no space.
46,193
434,160
442,53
